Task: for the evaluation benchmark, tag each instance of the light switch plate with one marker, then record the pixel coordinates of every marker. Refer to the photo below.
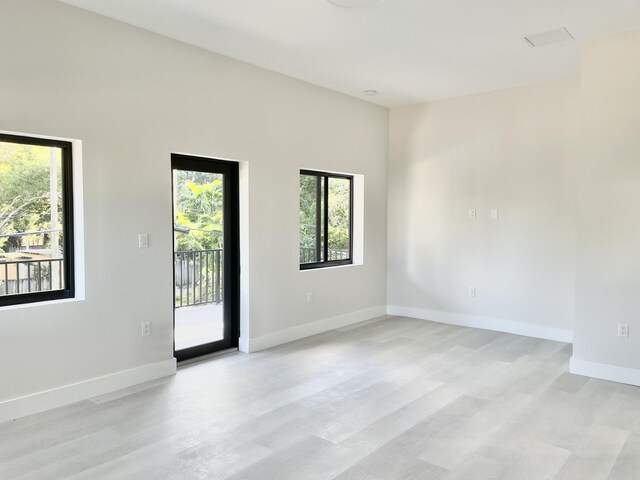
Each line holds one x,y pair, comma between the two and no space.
143,240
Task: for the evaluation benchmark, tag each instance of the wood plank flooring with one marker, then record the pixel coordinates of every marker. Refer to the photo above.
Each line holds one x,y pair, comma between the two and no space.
395,398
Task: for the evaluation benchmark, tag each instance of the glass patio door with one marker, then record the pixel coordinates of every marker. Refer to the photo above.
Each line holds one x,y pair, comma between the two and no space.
205,255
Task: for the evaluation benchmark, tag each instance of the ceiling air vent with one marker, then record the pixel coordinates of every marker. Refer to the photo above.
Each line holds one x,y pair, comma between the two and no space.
554,36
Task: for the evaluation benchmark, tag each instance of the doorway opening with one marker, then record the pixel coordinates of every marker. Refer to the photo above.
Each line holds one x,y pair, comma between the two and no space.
206,261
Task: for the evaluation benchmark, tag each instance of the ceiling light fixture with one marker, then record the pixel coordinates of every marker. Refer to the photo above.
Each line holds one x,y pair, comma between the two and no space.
371,93
354,3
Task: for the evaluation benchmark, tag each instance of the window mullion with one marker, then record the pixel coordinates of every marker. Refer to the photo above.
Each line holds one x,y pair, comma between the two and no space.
351,218
326,218
318,218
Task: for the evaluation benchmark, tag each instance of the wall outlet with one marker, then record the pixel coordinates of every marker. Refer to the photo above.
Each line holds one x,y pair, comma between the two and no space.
472,214
623,330
472,291
309,297
145,329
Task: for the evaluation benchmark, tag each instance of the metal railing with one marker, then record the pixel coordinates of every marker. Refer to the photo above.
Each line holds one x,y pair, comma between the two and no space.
30,276
308,254
198,277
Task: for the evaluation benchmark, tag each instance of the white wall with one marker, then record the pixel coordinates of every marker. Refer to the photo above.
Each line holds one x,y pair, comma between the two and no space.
512,150
134,97
608,233
560,162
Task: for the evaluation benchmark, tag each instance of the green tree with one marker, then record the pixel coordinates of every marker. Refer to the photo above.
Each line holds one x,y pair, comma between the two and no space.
198,209
25,192
338,219
339,214
308,204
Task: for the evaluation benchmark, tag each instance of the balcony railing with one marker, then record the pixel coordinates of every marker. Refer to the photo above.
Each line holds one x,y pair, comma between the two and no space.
29,276
308,254
198,277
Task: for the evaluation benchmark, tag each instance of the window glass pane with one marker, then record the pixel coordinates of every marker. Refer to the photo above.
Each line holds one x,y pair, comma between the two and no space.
311,208
31,219
325,219
339,218
198,199
198,205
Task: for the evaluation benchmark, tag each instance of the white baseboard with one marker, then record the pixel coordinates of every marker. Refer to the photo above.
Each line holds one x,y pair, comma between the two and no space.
243,344
486,323
605,371
301,331
75,392
67,394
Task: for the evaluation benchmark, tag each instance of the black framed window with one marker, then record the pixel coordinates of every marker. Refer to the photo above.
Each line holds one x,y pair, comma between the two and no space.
326,219
36,220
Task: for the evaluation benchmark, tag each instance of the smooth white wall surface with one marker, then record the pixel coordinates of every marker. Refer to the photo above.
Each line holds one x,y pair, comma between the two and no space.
608,226
512,150
134,97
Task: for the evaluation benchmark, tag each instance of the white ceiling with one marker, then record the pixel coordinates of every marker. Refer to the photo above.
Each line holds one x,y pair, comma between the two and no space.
410,51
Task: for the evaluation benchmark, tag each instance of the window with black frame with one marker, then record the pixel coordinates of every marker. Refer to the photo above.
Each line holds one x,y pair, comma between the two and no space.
326,219
36,224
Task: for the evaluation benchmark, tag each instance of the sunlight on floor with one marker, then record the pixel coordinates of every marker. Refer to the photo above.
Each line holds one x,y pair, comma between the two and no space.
198,325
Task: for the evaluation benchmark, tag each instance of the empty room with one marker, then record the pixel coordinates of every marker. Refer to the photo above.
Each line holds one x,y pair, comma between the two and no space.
320,239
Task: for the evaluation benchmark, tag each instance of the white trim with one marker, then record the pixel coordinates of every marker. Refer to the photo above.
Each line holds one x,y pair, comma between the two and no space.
78,224
486,323
357,227
77,177
243,344
301,331
76,392
46,303
245,264
604,371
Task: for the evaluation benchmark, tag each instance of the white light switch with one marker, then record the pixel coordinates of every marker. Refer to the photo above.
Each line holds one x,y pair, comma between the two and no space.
472,214
143,240
494,214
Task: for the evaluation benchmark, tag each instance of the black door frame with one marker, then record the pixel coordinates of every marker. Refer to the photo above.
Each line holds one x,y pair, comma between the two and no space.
231,250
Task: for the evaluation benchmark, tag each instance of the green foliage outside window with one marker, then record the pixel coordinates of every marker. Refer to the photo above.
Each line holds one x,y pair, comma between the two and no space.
198,210
308,186
25,198
312,222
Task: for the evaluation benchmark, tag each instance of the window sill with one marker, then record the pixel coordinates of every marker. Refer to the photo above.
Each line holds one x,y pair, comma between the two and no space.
41,304
330,267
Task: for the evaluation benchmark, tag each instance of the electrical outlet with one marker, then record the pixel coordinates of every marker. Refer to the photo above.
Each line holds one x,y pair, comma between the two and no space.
472,214
623,330
309,297
472,291
145,329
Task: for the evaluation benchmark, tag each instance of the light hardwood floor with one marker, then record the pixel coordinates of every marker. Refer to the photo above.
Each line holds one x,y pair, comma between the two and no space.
396,398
